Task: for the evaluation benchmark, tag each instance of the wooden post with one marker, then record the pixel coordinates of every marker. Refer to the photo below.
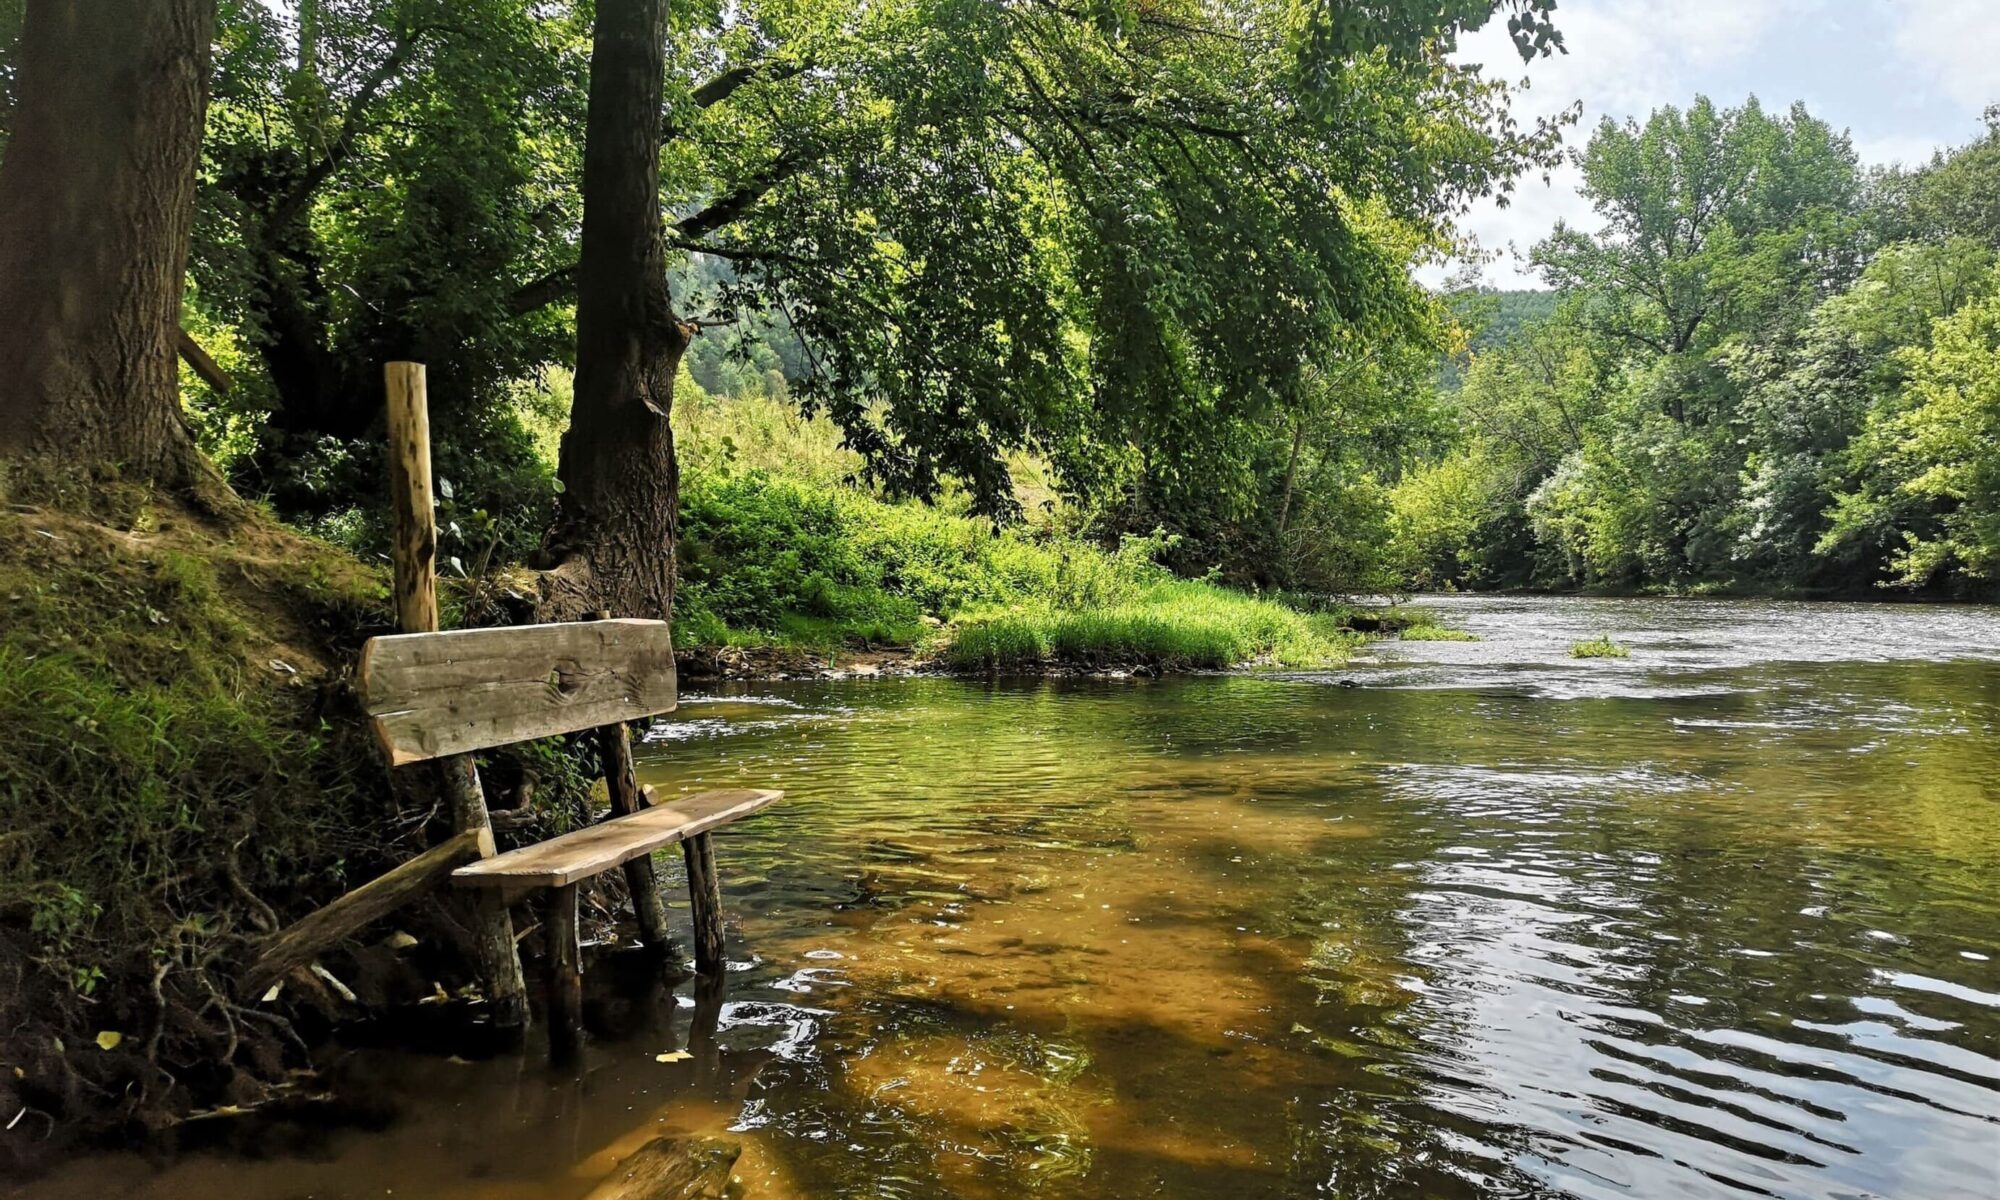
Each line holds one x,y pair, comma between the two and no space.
565,975
614,746
415,551
705,897
414,555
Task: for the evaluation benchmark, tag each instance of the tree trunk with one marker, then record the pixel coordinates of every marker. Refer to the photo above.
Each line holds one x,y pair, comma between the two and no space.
96,210
612,546
1291,475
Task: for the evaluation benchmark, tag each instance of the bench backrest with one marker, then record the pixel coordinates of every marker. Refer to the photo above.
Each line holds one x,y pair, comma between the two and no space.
433,694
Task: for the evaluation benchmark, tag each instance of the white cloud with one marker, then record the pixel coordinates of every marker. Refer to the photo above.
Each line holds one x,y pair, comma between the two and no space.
1625,59
1954,46
1911,150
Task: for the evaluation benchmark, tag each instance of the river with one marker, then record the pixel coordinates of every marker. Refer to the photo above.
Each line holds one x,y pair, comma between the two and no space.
1720,919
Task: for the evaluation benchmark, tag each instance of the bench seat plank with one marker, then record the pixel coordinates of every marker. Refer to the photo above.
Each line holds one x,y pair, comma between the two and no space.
607,844
433,694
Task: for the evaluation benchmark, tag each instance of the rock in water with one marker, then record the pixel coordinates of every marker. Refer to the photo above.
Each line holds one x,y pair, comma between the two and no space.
672,1168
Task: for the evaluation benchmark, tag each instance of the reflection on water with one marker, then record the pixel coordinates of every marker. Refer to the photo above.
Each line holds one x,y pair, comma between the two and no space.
1720,919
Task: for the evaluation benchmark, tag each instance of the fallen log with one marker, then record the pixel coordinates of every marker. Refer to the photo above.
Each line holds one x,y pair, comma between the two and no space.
671,1168
298,944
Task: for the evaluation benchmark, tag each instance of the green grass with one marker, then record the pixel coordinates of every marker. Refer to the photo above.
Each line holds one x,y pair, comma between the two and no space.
1414,624
781,561
1598,647
1437,633
1169,624
167,751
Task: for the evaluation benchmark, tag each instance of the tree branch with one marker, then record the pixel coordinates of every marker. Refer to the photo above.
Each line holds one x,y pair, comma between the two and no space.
721,87
542,291
726,210
560,284
340,146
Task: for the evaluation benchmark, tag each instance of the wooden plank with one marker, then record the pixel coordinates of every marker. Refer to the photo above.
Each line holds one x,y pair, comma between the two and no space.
301,942
449,693
607,844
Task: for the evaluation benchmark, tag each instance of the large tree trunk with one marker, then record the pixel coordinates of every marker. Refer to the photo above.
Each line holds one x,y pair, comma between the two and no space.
612,546
96,209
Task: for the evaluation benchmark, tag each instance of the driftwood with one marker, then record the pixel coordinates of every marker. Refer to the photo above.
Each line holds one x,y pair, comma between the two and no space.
300,943
669,1168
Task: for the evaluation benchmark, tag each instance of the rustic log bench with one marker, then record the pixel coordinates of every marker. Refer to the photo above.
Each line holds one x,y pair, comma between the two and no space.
439,695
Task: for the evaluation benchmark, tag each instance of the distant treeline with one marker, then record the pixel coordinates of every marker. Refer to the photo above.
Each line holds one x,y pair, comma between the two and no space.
1767,369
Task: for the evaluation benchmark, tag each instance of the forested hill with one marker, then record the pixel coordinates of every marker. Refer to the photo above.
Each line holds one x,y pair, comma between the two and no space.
1489,317
1794,391
1496,316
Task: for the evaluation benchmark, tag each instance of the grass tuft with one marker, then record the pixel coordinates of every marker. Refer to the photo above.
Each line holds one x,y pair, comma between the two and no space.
1598,647
1437,633
1169,625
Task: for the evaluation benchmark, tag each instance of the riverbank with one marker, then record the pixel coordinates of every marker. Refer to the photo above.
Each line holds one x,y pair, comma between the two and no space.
1208,633
966,941
788,575
184,768
181,771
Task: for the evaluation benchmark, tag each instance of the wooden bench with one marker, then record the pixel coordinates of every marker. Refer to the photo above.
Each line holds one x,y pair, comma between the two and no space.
438,695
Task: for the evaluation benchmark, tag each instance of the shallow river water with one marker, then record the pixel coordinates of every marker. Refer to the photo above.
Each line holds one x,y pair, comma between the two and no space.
1721,919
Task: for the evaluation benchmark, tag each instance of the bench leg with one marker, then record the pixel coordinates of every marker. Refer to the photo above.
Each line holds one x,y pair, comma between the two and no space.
705,896
614,744
565,975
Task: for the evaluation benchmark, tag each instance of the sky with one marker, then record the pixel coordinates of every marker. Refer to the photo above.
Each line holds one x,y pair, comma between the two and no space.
1903,77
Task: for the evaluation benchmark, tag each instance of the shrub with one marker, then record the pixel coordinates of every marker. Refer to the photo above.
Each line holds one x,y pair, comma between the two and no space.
1598,647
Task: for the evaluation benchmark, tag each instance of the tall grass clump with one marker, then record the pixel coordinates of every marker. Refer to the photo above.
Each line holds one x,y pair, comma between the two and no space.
768,559
1168,624
779,547
1598,647
1436,633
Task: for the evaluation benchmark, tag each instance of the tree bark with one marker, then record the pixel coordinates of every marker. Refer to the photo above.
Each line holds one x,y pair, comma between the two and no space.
96,212
612,545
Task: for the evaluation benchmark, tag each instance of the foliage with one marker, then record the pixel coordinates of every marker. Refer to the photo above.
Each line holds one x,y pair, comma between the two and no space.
1932,455
376,174
774,559
1742,384
1130,243
1712,219
1110,240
